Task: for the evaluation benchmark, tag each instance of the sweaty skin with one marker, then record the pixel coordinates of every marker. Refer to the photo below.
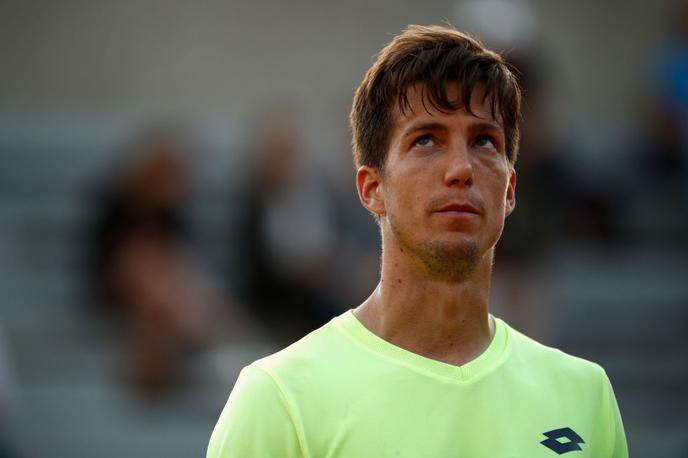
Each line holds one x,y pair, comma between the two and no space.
442,198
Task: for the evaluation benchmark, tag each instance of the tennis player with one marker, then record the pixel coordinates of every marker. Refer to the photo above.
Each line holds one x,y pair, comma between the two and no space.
421,368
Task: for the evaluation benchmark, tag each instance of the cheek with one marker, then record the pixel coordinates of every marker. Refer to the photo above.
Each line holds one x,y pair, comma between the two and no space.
496,173
495,193
405,185
404,201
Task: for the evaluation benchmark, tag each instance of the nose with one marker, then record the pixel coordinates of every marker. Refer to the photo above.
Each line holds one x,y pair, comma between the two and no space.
459,168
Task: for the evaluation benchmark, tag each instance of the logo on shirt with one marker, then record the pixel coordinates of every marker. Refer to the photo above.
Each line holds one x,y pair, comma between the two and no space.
553,443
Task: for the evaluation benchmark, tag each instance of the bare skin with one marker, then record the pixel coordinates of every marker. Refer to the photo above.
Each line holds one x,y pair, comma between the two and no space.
437,257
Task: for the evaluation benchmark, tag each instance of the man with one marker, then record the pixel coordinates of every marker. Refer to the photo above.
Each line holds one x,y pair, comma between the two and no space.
421,369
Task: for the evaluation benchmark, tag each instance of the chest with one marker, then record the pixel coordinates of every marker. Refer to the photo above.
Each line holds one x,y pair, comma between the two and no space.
454,423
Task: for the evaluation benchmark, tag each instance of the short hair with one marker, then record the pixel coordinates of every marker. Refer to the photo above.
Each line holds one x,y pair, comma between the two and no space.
432,56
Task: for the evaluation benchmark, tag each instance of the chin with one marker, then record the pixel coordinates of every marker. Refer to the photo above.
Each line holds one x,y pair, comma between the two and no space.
451,259
456,249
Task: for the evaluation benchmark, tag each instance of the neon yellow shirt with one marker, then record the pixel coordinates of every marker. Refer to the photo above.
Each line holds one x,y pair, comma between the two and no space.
342,391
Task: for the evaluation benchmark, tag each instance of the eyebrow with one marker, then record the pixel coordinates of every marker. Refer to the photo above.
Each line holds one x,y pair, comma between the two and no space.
423,126
477,126
485,125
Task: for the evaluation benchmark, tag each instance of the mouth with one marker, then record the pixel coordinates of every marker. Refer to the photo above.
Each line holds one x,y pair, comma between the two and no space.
458,209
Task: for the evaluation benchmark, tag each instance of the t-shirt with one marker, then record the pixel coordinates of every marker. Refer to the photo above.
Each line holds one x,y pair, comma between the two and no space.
342,391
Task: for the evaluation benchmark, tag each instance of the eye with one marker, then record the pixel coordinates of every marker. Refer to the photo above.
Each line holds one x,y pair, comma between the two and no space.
483,141
424,141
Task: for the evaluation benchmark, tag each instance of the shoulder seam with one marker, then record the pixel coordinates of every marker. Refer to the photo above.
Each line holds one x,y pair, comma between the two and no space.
299,433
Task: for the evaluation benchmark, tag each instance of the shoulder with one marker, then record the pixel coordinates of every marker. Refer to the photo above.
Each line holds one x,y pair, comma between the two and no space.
553,362
313,352
262,416
257,420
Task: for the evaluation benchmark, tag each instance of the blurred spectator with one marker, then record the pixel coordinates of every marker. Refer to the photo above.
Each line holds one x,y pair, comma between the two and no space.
660,156
544,179
285,239
544,193
557,204
671,75
144,270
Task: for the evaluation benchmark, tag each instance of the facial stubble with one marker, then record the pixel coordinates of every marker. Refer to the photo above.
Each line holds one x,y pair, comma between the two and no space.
441,259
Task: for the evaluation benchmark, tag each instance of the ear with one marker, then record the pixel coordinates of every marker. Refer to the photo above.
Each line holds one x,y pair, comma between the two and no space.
369,186
510,194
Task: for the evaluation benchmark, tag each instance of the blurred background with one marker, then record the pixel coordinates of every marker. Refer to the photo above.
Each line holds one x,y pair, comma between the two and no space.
177,200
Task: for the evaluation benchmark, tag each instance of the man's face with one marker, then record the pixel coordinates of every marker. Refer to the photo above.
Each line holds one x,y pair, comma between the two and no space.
447,185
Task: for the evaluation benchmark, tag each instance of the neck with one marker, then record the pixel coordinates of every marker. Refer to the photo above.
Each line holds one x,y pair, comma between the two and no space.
442,319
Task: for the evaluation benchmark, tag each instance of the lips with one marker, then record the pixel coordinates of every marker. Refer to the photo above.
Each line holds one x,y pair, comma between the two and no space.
458,208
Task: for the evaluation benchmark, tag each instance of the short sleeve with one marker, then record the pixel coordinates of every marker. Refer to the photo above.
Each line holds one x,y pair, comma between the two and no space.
255,422
617,436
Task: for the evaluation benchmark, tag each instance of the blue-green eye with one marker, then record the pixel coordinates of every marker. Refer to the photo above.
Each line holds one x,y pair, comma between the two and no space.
485,142
424,141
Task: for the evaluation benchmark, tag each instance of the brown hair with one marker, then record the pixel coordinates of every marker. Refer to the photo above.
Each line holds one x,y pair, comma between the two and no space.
431,56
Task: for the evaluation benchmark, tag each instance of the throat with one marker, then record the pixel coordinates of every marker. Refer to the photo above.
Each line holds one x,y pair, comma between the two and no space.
454,331
456,343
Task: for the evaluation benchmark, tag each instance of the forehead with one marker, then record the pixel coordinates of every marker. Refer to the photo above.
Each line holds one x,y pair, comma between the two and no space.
421,105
